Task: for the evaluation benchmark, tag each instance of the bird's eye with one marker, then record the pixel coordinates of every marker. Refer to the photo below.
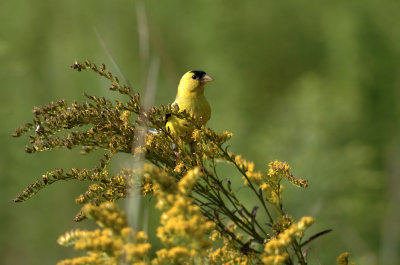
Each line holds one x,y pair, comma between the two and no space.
194,77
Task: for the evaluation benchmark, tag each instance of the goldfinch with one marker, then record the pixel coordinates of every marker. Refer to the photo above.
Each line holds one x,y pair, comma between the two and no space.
190,97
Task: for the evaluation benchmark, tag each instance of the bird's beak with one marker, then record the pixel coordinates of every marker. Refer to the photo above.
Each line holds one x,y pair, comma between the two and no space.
206,79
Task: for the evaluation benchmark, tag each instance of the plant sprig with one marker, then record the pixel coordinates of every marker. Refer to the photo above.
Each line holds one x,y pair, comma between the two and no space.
122,127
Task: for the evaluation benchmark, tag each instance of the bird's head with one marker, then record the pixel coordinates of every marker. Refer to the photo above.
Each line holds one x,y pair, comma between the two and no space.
193,82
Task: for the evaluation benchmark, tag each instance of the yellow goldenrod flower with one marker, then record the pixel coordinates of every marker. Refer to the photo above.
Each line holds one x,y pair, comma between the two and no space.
115,243
343,259
275,251
125,118
186,183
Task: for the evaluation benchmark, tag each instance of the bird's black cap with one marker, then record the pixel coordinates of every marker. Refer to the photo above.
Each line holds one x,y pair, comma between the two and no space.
198,74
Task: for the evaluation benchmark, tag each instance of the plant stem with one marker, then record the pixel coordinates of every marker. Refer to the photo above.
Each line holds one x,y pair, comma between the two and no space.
249,182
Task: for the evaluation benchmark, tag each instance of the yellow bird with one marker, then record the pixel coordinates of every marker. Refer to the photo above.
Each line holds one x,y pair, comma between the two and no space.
190,97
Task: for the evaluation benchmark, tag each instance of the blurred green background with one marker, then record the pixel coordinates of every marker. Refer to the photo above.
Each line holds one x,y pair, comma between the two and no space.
312,83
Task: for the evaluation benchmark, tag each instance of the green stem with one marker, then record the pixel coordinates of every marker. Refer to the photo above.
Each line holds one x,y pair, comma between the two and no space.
220,204
298,252
249,182
229,194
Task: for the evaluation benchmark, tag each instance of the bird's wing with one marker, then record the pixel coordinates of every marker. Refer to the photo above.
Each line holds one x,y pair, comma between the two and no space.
168,115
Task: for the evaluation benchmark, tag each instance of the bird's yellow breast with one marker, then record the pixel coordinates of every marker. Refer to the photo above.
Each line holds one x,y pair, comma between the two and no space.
198,105
200,108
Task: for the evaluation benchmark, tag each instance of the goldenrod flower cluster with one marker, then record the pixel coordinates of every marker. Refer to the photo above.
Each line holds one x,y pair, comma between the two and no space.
208,142
343,259
248,169
229,253
271,183
183,227
115,243
275,250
